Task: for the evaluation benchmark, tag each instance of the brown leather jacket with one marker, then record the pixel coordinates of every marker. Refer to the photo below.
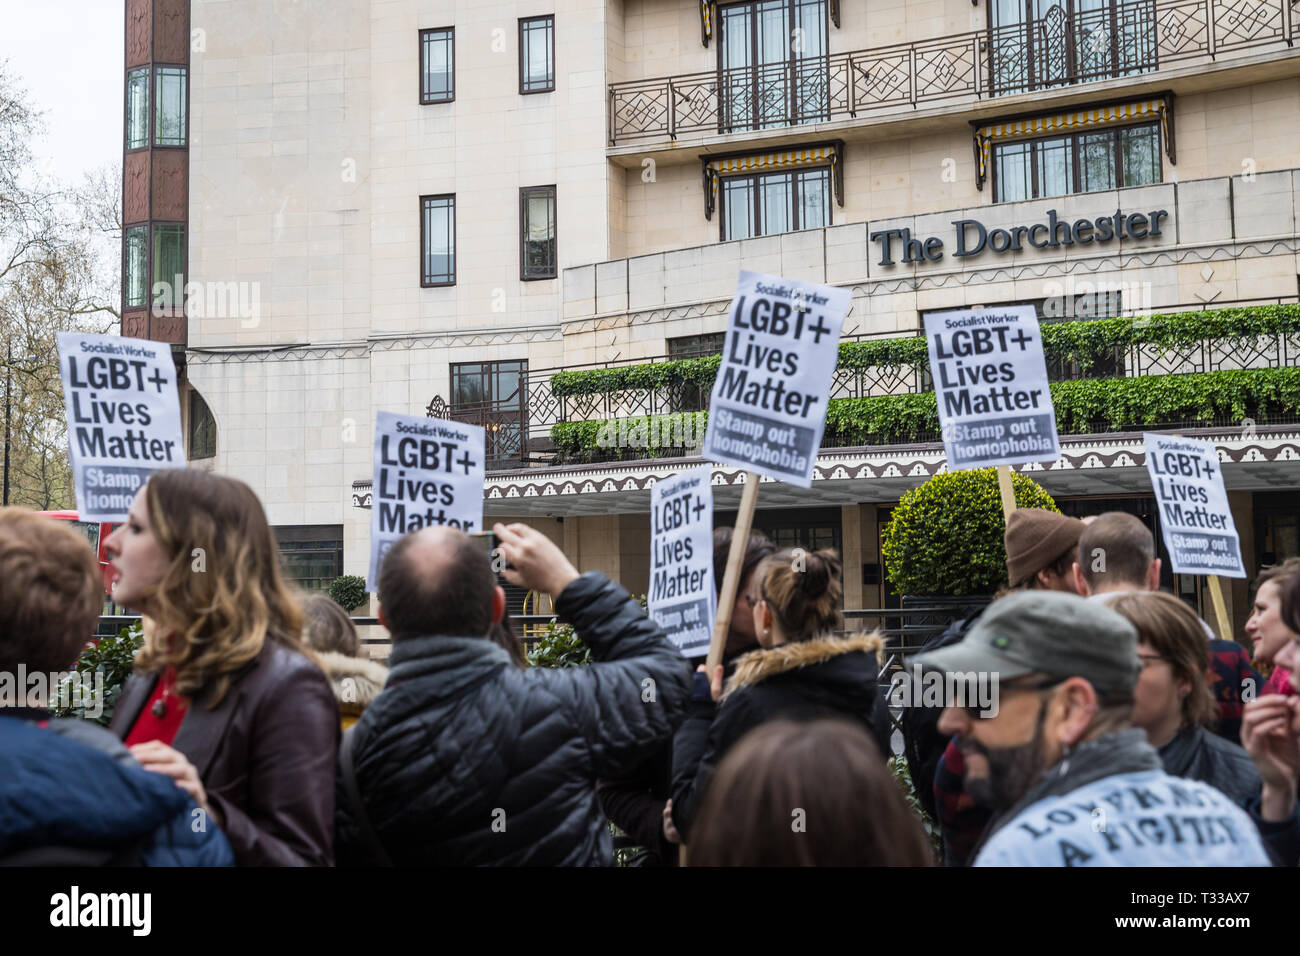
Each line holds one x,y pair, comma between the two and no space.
266,756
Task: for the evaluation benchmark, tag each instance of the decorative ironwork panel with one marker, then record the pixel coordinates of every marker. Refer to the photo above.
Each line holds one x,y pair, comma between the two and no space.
1256,351
1182,30
882,78
1168,360
946,68
1064,46
1244,22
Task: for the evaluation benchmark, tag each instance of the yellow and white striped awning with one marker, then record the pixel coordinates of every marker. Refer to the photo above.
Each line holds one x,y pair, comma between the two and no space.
764,162
1111,115
722,167
716,169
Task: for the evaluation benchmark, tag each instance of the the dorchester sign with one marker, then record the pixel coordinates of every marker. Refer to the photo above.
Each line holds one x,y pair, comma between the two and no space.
973,237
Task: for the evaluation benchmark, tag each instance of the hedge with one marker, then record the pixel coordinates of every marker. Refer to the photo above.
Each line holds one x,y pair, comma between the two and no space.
1086,344
1082,407
945,536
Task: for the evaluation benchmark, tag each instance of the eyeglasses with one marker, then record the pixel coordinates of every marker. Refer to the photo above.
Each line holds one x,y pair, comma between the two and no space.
1149,659
976,712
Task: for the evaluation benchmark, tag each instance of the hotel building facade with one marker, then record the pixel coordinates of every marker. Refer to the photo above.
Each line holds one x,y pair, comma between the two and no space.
439,207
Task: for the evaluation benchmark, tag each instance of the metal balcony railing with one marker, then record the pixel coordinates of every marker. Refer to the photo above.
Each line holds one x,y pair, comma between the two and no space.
1058,49
519,431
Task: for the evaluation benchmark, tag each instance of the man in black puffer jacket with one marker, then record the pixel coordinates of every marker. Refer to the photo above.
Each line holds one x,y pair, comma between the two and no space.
465,759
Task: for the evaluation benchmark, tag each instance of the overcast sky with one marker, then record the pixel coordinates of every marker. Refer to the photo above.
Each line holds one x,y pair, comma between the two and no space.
68,54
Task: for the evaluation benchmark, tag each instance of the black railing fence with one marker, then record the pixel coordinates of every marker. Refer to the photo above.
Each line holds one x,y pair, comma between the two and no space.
519,431
1063,47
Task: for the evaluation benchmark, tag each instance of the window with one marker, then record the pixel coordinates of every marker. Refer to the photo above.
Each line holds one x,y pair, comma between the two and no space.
494,396
137,266
1077,163
1038,44
537,232
312,554
772,63
438,240
689,397
437,65
169,129
137,108
771,203
807,528
203,428
537,55
696,346
169,266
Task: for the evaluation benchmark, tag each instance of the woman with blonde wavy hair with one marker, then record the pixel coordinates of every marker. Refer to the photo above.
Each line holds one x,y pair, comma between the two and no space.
226,699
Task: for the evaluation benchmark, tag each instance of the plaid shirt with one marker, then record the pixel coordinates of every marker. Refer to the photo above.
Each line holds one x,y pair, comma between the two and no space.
1232,680
960,820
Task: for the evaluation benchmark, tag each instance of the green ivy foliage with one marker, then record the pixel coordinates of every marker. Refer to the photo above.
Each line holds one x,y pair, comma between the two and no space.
1085,344
642,433
559,647
1082,407
115,658
945,536
697,371
902,775
348,591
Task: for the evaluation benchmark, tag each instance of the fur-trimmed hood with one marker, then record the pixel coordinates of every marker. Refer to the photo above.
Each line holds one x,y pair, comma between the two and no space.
758,666
356,680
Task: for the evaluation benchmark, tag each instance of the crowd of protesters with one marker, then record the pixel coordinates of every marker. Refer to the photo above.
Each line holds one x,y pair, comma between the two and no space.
255,731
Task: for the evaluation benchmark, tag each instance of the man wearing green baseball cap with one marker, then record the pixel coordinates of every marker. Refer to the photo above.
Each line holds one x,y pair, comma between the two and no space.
1072,782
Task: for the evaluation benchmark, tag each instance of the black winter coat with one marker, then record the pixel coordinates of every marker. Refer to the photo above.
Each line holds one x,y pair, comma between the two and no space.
466,759
1198,754
923,743
824,677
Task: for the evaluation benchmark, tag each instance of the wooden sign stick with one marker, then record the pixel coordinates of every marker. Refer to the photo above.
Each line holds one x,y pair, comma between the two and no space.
731,579
1220,607
1008,491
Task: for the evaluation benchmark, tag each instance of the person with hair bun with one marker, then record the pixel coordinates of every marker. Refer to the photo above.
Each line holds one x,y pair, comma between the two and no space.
226,699
801,671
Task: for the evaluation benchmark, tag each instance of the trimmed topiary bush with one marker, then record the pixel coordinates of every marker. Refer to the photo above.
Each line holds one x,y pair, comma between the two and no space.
348,591
945,537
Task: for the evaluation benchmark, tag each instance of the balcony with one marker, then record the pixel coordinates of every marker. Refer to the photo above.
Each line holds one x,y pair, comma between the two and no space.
1180,369
1060,49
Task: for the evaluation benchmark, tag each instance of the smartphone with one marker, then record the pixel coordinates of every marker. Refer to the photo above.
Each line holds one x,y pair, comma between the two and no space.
487,540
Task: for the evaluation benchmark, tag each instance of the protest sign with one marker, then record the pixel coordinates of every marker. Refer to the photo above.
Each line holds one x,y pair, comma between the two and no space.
682,599
990,382
428,471
768,407
1194,516
124,418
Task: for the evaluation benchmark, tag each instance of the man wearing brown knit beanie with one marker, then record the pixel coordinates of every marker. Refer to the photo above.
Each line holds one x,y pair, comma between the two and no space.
1041,548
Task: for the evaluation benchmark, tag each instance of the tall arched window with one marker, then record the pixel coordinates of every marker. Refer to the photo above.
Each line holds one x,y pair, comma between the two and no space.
203,428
